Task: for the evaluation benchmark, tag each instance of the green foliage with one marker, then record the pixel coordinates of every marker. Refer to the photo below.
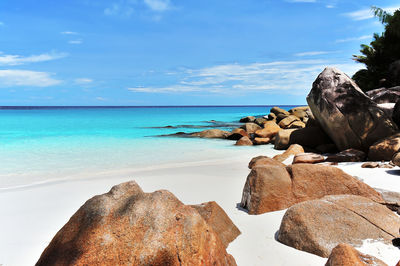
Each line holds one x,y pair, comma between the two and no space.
382,51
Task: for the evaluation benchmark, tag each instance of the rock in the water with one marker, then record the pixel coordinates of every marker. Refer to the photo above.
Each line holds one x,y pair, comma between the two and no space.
349,155
346,255
370,165
244,141
277,110
292,150
282,139
260,121
302,112
273,187
345,113
308,157
385,95
384,149
264,161
237,134
286,122
251,127
270,130
129,227
261,141
247,119
212,134
220,222
317,226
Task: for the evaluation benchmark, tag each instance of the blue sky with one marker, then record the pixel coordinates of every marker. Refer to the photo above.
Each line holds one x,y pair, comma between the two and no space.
176,52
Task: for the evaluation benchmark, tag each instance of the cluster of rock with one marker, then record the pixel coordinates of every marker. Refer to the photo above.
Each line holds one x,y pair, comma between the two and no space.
326,208
129,227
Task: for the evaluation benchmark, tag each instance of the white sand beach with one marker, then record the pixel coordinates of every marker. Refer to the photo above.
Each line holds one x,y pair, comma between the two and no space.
32,215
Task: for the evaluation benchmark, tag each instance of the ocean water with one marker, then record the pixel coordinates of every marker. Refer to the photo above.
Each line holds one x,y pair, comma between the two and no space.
41,144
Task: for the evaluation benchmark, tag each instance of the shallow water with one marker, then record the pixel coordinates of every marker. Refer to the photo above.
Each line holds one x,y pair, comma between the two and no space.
38,144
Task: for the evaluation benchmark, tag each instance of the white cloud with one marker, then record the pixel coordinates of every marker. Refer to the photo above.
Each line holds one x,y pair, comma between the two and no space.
313,53
69,33
12,77
13,60
293,77
83,80
367,13
158,5
1,23
119,9
101,99
330,6
75,42
364,37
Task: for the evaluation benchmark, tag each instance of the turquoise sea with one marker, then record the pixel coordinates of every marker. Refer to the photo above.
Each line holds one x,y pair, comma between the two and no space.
47,143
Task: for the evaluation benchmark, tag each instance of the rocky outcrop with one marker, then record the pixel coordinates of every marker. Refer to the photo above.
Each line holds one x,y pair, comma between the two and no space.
212,134
302,112
129,227
247,119
272,187
251,127
286,122
219,221
308,157
261,141
385,95
346,255
292,150
282,139
346,114
384,149
244,141
269,131
317,226
396,114
237,134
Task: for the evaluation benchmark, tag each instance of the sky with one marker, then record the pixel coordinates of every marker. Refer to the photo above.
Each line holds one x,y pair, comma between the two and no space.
176,52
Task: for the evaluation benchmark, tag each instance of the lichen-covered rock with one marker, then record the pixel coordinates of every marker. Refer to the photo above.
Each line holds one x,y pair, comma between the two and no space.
317,226
346,114
129,227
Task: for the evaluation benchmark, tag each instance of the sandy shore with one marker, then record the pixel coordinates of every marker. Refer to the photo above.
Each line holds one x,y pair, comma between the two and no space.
31,216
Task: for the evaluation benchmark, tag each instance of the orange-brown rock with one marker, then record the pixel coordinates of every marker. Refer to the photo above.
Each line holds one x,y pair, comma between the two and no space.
292,150
301,112
244,141
264,161
282,139
220,222
398,264
284,123
251,127
296,124
237,134
272,187
129,227
270,130
317,226
308,157
346,255
211,134
383,150
261,141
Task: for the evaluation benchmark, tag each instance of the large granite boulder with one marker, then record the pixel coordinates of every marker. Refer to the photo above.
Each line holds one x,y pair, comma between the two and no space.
219,221
384,149
282,139
345,113
346,255
269,131
251,127
286,122
384,95
396,113
212,134
317,226
129,227
272,187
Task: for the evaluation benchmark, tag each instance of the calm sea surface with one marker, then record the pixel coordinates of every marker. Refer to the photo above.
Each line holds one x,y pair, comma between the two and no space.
37,144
